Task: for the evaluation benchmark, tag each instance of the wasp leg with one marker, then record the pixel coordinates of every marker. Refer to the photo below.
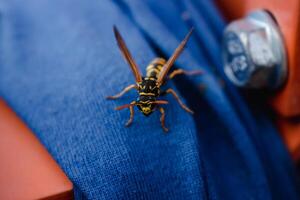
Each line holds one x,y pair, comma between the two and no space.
122,92
171,91
130,106
131,115
181,71
162,119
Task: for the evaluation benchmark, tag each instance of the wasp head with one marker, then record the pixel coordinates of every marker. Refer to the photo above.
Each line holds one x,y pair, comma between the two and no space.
146,104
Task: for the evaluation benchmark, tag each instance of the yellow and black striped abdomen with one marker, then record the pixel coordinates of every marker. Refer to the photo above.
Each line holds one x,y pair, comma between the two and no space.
155,67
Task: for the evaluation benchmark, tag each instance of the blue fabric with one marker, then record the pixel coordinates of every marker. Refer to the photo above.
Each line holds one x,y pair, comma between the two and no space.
58,62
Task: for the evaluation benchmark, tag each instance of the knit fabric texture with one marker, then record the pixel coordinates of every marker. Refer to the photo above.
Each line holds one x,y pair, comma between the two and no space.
59,60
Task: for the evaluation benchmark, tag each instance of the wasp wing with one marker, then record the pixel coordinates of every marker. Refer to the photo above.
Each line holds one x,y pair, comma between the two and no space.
127,55
173,58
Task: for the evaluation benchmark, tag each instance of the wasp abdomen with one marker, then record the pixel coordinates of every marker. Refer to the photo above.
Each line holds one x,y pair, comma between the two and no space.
155,67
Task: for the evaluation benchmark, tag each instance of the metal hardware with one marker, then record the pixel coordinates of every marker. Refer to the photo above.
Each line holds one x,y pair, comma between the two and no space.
253,52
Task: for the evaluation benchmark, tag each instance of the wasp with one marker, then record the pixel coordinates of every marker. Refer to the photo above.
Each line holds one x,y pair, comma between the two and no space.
149,86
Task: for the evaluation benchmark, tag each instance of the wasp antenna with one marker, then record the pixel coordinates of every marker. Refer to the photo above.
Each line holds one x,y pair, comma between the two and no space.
122,107
126,106
160,102
173,58
127,55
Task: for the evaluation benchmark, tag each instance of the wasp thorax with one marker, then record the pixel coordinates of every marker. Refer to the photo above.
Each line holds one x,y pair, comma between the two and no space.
148,87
